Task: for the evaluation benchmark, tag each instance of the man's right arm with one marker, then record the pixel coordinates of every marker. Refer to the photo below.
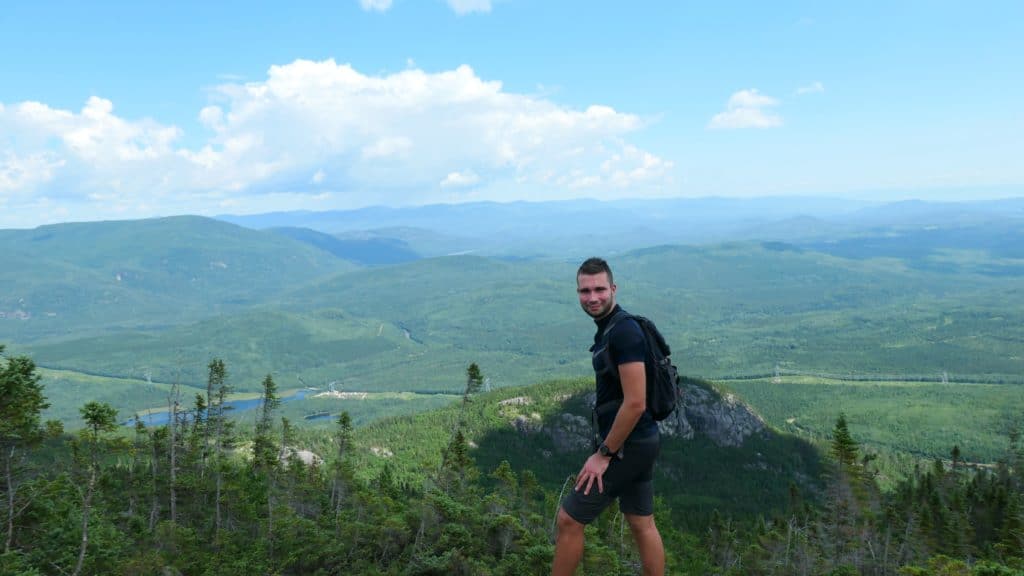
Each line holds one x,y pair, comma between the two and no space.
633,376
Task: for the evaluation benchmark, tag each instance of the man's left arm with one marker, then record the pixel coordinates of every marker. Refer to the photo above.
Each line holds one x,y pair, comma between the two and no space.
633,376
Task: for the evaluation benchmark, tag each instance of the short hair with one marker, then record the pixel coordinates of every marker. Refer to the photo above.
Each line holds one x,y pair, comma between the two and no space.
592,266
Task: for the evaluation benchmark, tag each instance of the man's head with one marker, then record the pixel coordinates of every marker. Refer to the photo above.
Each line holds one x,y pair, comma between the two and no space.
595,287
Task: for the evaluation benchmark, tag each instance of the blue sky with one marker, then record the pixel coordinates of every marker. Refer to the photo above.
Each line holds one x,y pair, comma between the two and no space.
112,110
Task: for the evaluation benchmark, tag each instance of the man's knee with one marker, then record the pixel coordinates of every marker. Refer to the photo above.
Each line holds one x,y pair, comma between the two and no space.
567,524
640,524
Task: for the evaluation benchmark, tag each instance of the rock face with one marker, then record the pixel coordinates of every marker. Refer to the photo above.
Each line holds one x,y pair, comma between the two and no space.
305,456
570,433
527,424
722,418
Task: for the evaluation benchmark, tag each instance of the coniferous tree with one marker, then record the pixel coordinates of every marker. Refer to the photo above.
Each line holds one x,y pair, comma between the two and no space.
157,441
100,419
21,402
342,471
844,449
215,378
173,424
266,454
222,429
474,381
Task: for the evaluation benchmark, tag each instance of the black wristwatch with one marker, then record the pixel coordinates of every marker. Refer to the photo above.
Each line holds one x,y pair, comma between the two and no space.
606,451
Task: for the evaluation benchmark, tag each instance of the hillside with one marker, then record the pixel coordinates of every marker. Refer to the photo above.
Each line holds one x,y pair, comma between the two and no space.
725,461
74,280
896,298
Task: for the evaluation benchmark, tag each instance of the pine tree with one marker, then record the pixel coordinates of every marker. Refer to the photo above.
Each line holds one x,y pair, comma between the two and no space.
21,402
100,418
474,382
843,509
265,452
266,455
843,448
222,429
215,377
342,471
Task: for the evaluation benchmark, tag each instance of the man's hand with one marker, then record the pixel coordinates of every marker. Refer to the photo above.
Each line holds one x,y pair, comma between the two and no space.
593,469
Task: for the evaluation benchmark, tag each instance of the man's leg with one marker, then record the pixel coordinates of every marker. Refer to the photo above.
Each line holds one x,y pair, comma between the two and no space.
648,543
568,545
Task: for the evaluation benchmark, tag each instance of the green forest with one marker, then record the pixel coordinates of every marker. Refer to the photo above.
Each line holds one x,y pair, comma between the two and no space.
203,495
186,396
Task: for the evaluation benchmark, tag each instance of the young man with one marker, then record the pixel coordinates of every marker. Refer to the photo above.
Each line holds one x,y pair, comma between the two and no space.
623,464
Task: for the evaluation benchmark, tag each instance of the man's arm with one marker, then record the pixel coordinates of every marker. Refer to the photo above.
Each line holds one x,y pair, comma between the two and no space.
633,376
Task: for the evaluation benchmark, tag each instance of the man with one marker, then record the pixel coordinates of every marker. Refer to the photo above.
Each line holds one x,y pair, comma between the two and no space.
622,466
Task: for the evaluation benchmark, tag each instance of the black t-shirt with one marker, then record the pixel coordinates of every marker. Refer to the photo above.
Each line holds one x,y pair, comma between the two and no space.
625,344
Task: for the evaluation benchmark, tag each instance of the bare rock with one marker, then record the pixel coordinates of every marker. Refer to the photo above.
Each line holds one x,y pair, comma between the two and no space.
305,456
724,419
527,424
570,433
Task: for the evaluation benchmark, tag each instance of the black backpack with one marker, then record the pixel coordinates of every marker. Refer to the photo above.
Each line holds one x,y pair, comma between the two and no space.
663,391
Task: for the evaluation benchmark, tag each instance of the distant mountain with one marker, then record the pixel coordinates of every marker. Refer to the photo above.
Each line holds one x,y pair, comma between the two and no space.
918,213
82,278
162,296
920,245
367,251
575,228
558,228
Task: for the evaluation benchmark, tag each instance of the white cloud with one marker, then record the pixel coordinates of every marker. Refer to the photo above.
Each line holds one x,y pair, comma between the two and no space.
22,174
459,179
324,130
375,5
468,6
812,88
745,109
387,147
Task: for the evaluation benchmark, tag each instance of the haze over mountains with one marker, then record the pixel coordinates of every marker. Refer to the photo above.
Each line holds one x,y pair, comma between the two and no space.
570,228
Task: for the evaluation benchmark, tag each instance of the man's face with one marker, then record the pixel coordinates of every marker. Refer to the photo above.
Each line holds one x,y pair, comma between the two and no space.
597,294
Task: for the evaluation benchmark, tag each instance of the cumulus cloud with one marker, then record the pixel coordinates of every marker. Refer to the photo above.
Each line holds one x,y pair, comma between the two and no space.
388,146
746,109
459,179
375,5
315,132
812,88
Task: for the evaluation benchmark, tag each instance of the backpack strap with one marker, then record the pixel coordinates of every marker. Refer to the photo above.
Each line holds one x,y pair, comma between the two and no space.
611,404
605,341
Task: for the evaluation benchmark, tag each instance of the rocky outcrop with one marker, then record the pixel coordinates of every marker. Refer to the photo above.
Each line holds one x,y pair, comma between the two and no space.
570,433
722,418
305,456
527,424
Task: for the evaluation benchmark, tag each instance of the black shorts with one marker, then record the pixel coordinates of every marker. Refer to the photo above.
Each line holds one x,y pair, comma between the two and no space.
631,480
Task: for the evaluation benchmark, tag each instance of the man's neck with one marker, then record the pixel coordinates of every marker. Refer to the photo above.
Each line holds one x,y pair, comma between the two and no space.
604,319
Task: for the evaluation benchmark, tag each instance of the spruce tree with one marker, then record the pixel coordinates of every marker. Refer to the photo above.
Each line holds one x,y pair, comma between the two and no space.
21,402
100,419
